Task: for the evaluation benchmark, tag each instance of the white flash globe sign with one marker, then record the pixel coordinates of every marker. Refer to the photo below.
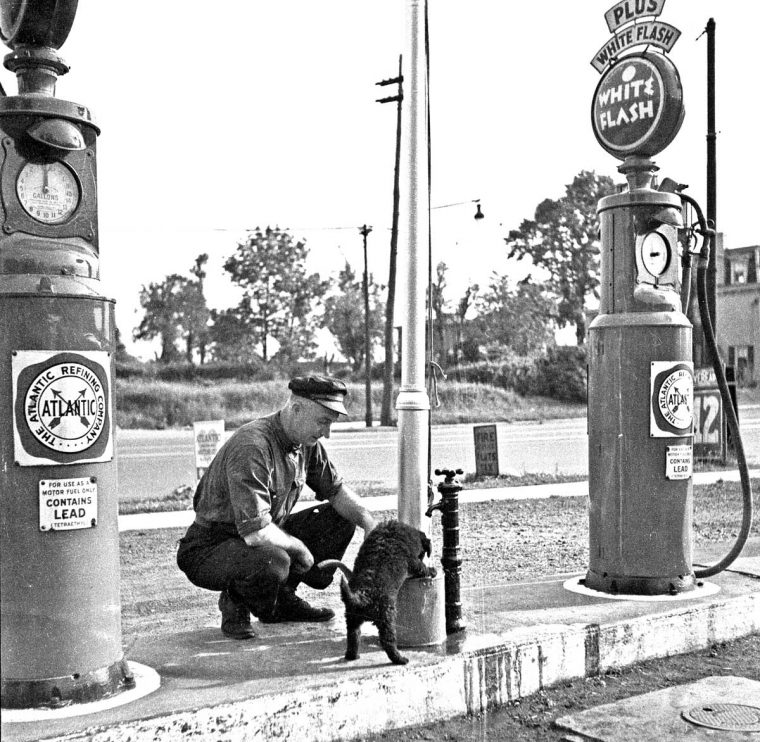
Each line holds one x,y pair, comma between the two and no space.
637,108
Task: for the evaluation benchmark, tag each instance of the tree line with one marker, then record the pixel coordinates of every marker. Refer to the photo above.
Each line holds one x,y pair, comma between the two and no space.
283,305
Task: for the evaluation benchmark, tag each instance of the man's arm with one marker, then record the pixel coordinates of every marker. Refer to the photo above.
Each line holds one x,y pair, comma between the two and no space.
348,504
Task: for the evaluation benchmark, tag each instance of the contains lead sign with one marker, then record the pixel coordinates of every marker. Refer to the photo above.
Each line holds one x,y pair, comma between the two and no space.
68,504
678,462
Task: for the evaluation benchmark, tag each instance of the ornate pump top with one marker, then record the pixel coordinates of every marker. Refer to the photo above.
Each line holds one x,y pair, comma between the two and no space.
35,30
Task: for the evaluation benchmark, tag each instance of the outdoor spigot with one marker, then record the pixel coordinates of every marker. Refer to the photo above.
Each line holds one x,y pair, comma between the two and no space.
451,559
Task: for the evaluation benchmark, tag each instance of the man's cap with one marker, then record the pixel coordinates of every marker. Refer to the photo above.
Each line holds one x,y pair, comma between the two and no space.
328,392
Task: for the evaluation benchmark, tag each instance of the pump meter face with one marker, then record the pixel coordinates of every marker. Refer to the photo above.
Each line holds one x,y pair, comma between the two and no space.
49,191
655,253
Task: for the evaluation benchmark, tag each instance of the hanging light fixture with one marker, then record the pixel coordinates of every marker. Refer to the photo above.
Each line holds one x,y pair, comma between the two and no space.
478,213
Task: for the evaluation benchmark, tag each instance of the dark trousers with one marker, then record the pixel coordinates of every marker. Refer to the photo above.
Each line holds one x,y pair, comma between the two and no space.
217,558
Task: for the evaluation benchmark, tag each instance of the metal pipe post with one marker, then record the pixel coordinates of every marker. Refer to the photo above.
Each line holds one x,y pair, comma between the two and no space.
413,404
365,230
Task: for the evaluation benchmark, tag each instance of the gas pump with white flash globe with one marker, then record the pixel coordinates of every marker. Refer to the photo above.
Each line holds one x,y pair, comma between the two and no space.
640,372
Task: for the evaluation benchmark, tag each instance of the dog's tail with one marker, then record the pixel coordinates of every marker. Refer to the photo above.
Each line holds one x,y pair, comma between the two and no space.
330,563
357,601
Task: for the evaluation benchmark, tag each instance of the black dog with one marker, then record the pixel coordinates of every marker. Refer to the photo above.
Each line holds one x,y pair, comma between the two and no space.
392,552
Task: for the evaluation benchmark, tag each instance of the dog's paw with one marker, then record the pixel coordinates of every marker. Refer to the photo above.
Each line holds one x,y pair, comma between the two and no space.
351,657
399,660
432,571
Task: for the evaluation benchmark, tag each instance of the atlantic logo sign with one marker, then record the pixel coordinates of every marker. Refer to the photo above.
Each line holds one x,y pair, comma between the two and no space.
672,399
61,407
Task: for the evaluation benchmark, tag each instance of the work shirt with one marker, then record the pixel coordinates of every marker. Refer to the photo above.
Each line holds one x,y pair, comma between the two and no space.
257,476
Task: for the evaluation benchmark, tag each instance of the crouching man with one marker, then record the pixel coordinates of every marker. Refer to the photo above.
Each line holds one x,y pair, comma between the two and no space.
246,542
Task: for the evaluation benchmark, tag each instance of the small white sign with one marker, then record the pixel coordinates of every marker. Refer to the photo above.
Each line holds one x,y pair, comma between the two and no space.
67,504
678,461
209,437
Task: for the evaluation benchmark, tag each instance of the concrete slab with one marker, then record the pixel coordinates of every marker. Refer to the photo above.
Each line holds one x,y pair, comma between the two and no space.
658,716
292,682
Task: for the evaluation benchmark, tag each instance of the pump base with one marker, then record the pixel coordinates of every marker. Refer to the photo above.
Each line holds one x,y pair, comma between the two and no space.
56,692
628,585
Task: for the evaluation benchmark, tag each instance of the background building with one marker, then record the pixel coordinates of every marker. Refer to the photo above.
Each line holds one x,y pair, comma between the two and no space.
738,310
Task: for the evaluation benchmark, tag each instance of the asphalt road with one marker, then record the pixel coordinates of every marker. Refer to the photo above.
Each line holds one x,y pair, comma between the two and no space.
154,463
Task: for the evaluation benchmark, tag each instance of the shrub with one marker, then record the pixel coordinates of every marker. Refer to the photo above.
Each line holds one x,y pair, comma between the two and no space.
131,369
562,374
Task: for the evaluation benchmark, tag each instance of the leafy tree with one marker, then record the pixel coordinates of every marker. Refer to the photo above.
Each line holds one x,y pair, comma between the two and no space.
175,309
439,304
162,304
279,295
521,317
231,336
196,315
344,315
465,348
562,238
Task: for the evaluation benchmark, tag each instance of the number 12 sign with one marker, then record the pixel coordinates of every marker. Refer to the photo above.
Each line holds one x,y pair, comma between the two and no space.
708,423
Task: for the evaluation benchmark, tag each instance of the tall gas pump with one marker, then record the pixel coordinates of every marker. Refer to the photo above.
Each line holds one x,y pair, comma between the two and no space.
640,367
59,544
640,376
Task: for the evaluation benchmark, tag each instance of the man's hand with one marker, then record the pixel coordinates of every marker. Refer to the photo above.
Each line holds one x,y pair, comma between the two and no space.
300,556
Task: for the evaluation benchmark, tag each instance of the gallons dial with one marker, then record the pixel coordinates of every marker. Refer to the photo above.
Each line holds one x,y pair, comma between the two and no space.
655,253
48,191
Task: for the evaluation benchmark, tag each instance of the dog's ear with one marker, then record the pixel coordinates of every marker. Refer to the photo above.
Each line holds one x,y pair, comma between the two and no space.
427,547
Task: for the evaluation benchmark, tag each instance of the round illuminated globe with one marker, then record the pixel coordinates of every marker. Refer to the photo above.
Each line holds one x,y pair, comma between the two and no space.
637,108
36,22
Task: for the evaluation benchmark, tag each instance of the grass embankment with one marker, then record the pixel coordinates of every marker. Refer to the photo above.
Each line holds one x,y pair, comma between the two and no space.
158,405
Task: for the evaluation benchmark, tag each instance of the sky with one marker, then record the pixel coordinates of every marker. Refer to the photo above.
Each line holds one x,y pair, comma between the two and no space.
220,117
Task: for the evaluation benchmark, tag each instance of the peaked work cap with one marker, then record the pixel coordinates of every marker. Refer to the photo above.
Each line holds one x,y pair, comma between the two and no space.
324,390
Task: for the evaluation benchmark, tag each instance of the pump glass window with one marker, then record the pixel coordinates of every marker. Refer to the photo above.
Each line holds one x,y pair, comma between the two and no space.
655,253
48,191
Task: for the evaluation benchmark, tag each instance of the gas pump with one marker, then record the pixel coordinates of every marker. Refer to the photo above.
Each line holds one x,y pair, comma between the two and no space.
59,544
640,375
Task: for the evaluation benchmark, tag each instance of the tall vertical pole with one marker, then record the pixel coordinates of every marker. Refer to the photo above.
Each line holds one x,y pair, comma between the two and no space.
413,404
711,173
365,230
385,411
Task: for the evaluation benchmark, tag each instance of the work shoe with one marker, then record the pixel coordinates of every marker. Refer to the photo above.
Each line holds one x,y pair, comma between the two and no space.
236,619
289,607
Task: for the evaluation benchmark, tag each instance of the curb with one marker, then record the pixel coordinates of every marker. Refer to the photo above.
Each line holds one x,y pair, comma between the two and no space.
183,518
507,667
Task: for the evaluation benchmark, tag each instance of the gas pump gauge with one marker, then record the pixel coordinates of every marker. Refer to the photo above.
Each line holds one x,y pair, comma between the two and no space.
48,191
655,253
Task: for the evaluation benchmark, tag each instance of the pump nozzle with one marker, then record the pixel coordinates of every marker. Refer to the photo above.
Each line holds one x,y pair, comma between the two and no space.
669,185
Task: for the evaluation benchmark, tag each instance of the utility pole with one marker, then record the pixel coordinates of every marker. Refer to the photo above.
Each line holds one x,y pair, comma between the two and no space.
385,410
365,230
711,174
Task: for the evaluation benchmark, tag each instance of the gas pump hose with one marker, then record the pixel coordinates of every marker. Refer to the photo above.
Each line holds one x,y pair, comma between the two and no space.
728,406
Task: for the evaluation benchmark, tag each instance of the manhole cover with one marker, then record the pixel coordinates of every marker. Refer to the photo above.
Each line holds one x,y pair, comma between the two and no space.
731,717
